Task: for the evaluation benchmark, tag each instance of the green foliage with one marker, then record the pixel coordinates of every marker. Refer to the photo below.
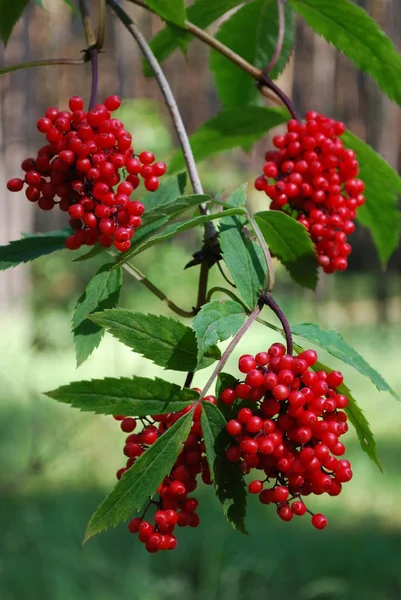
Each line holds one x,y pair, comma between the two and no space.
228,478
252,33
103,291
243,257
175,229
352,31
172,11
229,129
141,480
10,13
290,242
238,197
380,214
174,208
136,397
201,13
332,341
165,341
31,247
217,321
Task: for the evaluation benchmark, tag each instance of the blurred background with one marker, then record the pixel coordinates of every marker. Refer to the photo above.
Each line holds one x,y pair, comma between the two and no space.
58,464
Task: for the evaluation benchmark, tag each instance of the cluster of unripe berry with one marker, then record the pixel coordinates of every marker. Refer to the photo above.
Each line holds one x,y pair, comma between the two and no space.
174,506
312,177
88,167
286,423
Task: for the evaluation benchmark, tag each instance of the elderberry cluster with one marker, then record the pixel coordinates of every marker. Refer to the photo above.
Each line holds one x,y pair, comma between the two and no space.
313,177
88,167
286,425
174,506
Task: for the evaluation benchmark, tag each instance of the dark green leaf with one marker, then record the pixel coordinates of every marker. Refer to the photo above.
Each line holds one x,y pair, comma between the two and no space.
352,31
201,13
380,214
243,257
103,291
168,192
169,10
252,33
230,129
175,229
165,341
228,478
217,321
10,13
142,480
136,397
332,341
290,242
94,251
31,247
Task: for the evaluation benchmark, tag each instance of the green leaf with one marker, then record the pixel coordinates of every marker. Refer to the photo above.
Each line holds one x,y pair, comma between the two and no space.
136,397
217,321
141,480
243,257
168,192
332,341
352,31
238,197
229,129
10,13
172,11
40,4
165,341
201,13
96,250
252,33
228,478
31,247
380,213
174,208
290,242
175,229
103,291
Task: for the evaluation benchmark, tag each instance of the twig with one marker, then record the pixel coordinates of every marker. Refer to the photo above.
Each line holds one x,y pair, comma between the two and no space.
229,293
280,38
136,273
266,81
102,25
270,274
231,346
271,303
42,63
91,51
94,54
166,92
87,24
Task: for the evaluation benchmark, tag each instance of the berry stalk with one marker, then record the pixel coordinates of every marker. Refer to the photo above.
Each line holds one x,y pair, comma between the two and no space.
280,38
269,301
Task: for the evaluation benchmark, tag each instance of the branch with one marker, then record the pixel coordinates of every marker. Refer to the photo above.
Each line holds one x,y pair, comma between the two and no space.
167,95
87,24
42,63
91,51
102,25
136,273
280,38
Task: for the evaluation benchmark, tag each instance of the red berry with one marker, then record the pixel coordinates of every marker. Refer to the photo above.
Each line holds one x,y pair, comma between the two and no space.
319,521
15,185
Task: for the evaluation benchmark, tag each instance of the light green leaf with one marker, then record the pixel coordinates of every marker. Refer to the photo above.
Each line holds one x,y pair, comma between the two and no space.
243,257
290,242
172,11
136,397
352,31
217,321
142,479
332,341
165,341
103,291
229,129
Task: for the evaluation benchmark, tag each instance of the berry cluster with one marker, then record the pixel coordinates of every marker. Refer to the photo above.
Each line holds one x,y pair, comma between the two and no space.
287,420
313,177
174,506
87,156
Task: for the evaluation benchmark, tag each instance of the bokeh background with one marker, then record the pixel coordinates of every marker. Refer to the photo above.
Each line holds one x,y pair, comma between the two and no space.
58,464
